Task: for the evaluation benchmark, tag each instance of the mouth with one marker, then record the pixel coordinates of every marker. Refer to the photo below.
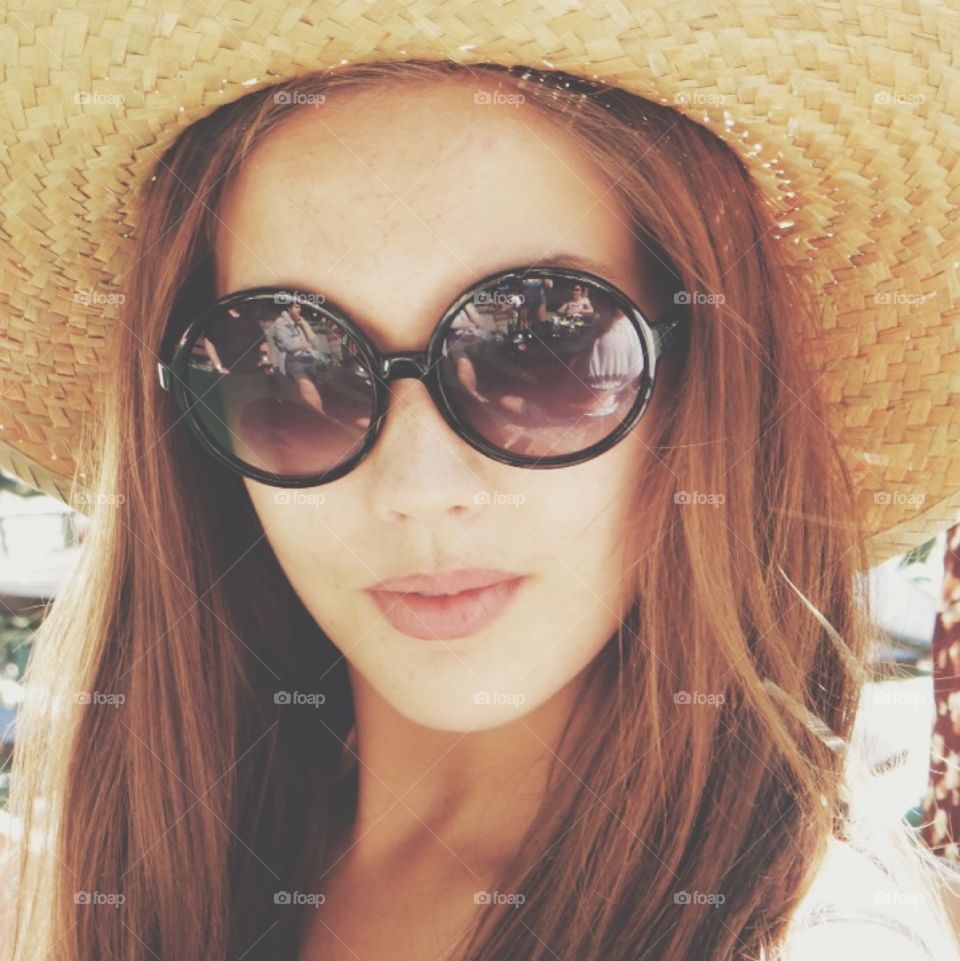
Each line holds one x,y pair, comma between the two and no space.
450,605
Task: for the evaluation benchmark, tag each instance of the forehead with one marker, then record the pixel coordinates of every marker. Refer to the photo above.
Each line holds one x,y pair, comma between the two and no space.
408,196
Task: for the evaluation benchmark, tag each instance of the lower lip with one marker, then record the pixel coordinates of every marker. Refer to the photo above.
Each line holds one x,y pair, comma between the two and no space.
446,616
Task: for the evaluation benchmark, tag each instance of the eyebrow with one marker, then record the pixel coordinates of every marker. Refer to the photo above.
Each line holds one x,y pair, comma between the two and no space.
569,260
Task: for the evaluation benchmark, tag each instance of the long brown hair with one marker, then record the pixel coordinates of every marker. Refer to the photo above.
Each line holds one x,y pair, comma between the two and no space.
181,783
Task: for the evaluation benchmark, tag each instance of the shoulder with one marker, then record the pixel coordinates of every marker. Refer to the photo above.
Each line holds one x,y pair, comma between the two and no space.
855,909
844,938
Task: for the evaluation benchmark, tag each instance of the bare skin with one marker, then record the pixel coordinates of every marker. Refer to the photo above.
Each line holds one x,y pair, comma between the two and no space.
448,786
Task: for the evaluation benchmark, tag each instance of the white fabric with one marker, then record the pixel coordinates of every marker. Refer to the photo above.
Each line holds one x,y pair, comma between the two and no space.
854,910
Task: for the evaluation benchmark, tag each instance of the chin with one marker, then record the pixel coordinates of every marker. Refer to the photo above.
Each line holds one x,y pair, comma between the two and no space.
476,709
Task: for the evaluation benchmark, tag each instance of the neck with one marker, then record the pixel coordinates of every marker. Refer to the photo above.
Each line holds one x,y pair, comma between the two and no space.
472,792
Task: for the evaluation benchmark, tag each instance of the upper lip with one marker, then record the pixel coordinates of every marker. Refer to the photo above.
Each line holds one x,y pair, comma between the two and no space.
444,582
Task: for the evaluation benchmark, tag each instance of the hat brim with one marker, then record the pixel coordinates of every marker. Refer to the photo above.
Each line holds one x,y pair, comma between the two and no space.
845,121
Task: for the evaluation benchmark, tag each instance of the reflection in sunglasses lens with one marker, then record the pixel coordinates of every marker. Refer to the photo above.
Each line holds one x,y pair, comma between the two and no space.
281,387
540,366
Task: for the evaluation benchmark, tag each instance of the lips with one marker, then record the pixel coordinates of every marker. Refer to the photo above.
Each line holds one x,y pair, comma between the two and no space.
444,582
445,606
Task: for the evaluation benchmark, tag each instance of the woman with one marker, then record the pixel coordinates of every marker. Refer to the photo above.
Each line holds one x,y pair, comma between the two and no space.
578,305
621,737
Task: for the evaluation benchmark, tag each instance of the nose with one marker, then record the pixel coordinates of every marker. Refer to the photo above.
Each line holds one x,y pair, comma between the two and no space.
419,468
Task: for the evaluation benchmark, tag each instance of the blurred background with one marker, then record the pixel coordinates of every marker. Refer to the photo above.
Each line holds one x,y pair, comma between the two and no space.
40,542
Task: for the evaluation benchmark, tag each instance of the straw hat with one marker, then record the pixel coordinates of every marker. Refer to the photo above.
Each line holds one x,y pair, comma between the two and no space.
846,115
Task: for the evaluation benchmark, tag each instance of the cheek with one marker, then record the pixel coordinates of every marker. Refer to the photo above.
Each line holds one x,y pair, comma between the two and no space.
588,519
300,526
580,534
304,532
587,505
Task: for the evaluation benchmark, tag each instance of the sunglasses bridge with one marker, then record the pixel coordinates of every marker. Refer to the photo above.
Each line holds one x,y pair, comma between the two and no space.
404,364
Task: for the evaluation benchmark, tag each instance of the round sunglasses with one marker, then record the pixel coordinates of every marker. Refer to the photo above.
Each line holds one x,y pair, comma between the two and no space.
534,367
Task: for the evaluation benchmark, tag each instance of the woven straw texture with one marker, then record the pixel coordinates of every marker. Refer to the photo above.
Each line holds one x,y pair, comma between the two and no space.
845,113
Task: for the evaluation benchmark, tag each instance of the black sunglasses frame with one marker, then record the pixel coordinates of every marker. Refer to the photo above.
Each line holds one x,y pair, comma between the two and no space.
420,364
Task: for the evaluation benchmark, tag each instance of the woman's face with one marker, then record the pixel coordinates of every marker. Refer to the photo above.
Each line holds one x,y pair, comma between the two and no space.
392,204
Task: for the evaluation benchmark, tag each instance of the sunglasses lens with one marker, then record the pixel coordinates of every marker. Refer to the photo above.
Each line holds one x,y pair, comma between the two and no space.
543,366
281,387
